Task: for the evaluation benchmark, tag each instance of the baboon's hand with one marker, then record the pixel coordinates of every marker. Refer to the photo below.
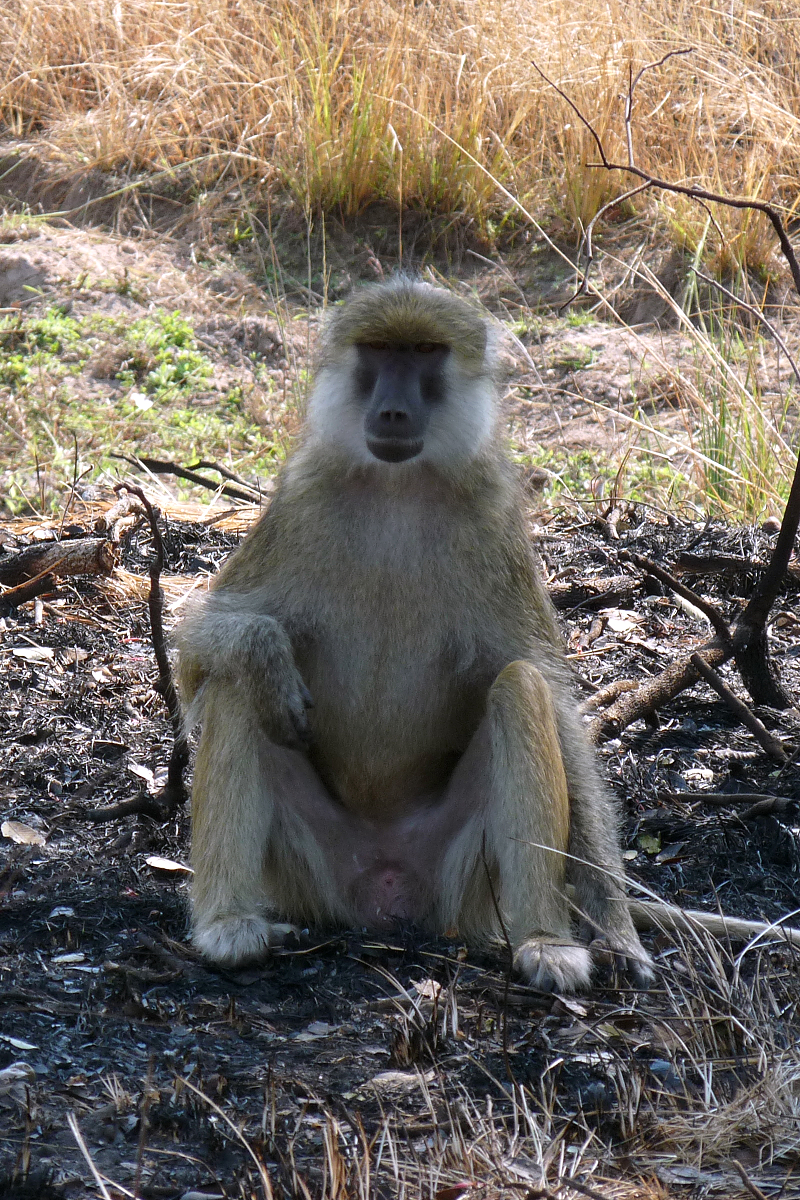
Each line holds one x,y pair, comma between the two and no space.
252,651
282,702
267,668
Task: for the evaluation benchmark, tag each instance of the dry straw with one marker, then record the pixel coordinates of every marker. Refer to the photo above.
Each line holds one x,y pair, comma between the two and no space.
343,103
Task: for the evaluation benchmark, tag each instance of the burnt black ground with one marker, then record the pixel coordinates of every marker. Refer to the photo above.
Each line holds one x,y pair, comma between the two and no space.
118,1021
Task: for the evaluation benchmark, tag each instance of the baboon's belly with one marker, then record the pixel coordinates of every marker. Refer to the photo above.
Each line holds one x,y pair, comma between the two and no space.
387,728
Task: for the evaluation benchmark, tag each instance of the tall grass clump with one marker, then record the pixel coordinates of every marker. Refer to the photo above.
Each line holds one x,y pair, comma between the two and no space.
427,105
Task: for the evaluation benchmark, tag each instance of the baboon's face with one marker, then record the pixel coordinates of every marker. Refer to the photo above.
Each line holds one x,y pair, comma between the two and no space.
399,386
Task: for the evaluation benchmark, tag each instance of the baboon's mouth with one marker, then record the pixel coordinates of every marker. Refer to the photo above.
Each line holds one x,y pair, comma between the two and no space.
395,450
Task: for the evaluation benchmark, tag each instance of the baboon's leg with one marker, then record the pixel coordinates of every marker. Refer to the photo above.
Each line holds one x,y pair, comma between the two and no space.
512,774
249,845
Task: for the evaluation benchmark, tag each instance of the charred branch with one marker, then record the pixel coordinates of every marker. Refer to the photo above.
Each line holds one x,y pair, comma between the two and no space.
84,556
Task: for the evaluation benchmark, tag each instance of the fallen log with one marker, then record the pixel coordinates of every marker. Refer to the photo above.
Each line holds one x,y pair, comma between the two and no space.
83,556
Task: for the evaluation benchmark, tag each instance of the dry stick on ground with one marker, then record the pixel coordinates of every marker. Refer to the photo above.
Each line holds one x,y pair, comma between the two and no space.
748,638
15,596
728,565
754,1191
158,467
173,794
760,805
771,745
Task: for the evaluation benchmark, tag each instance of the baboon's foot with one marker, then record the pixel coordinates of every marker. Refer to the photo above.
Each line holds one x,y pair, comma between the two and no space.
554,966
616,957
238,941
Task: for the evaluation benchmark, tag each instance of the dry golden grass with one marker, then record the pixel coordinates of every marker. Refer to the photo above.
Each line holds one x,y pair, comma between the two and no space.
343,103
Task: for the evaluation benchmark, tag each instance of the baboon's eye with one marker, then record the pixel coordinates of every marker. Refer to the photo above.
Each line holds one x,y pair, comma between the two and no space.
428,347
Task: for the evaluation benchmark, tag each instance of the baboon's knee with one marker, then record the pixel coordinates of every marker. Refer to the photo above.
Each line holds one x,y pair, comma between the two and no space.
522,686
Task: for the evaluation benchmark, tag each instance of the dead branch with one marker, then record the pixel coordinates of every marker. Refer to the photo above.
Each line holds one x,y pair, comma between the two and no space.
728,565
123,507
140,805
751,646
754,1191
761,804
767,807
25,591
159,467
657,914
594,593
683,189
654,693
606,695
770,744
748,639
173,794
83,556
715,617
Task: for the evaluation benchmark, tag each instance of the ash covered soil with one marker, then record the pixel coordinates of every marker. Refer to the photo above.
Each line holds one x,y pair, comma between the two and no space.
351,1065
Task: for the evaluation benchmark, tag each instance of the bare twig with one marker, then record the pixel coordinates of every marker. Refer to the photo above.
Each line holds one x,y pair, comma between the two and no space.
587,245
13,597
770,744
747,1181
684,189
225,472
123,507
715,617
760,802
767,807
654,693
140,805
158,467
754,312
606,695
658,914
750,646
173,794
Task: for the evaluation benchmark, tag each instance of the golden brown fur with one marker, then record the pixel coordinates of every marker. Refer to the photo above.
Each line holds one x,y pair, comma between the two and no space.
444,741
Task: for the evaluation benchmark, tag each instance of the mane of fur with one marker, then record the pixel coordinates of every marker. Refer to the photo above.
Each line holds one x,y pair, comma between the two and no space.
407,311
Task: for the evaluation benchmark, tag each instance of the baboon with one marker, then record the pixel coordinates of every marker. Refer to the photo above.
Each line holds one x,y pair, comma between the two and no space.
388,731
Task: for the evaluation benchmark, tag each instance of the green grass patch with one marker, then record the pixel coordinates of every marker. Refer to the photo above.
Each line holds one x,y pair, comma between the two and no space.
156,397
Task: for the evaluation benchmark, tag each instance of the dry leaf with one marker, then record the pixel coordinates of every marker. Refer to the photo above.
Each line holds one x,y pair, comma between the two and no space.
33,653
454,1191
22,834
141,771
167,864
428,989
